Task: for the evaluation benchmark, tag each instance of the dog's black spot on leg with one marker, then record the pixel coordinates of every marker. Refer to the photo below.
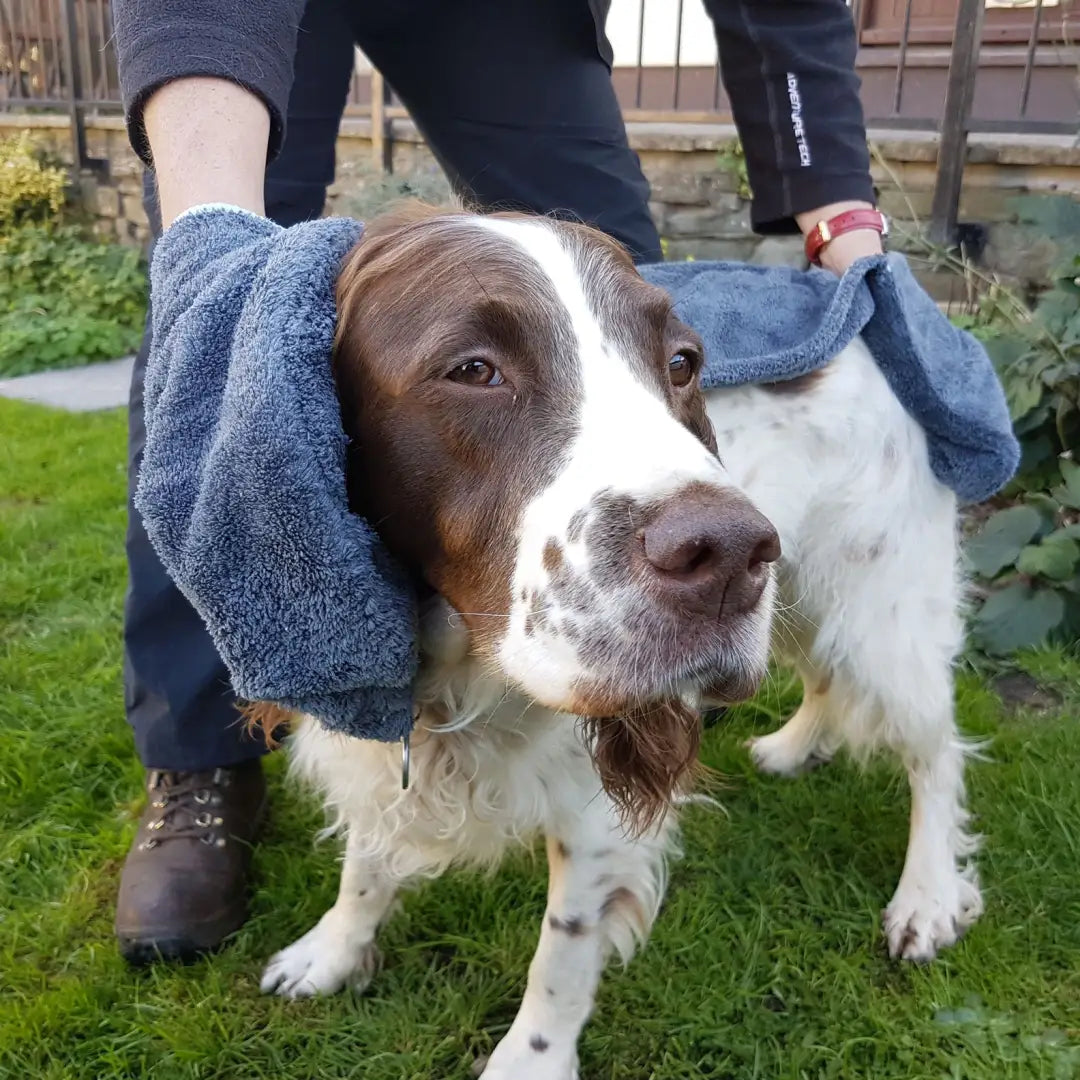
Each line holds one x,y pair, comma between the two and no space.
572,927
564,851
539,1043
550,991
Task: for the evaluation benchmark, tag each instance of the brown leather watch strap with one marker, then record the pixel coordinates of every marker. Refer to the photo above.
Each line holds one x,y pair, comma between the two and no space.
849,221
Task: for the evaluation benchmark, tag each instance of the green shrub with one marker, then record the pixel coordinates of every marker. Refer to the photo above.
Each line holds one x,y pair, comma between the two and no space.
1027,553
66,298
31,190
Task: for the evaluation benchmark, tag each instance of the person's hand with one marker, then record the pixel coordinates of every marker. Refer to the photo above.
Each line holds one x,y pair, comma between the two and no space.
840,253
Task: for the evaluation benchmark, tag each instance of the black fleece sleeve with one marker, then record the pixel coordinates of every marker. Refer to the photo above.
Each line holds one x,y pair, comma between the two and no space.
789,70
250,42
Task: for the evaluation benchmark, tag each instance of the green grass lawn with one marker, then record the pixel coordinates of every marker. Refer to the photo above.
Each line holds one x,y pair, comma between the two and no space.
766,962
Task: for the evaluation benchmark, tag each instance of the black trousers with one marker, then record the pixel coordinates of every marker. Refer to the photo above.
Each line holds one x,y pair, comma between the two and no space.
516,101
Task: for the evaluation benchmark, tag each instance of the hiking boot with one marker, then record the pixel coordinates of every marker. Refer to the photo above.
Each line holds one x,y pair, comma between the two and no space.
184,885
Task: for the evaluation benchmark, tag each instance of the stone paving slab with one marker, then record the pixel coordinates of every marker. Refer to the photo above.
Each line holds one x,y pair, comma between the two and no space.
82,389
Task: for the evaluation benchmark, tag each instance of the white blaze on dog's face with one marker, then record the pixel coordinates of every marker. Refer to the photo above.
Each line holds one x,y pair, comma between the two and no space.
529,435
639,568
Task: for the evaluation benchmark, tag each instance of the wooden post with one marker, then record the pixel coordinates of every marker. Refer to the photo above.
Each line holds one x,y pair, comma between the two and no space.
381,137
79,153
959,93
74,87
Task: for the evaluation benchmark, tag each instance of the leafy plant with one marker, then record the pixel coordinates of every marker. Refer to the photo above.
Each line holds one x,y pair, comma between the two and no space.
1027,554
66,298
732,159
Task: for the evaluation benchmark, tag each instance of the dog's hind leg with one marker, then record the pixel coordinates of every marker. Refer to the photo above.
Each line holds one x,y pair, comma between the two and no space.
603,893
340,949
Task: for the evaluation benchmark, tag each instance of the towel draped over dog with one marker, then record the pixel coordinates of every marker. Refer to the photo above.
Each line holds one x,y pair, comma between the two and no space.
242,485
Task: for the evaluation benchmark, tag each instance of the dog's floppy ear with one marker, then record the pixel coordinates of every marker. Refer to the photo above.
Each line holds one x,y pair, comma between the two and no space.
269,719
377,252
646,758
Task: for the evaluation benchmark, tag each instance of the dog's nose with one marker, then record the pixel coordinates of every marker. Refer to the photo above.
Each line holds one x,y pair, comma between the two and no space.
710,551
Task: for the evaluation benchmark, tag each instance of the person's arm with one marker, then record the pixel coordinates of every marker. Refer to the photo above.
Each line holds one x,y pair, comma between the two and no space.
209,142
205,85
789,70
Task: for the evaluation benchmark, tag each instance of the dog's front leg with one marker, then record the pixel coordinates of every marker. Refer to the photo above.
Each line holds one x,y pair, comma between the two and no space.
340,949
603,894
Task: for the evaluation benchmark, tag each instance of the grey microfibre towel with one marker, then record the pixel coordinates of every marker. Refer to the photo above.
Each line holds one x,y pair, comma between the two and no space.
764,324
242,485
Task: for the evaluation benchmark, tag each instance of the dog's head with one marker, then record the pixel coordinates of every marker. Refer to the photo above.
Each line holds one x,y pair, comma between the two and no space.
529,435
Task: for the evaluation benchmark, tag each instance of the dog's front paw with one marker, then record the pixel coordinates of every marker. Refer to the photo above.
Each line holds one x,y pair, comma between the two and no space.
921,920
321,962
782,755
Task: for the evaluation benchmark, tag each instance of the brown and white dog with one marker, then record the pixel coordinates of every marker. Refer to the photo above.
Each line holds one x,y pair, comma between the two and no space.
531,439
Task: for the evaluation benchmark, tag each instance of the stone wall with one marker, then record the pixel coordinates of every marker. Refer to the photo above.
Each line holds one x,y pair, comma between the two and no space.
696,186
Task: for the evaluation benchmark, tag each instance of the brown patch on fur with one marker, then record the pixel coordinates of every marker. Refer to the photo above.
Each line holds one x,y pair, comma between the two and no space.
444,469
624,900
823,686
557,853
268,719
799,384
553,556
645,758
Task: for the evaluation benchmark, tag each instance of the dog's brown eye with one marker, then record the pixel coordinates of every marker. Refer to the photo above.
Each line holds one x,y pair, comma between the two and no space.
680,369
476,372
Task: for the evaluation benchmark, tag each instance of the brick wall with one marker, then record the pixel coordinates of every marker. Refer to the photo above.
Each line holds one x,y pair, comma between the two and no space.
696,198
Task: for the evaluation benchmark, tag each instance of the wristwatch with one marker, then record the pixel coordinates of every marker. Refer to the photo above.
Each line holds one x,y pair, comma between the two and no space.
849,221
